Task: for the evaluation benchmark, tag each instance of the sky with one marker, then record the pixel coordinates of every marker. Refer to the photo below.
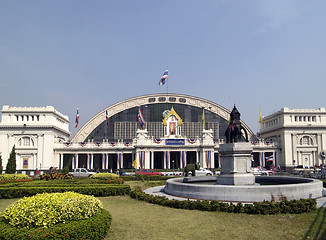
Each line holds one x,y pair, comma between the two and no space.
261,55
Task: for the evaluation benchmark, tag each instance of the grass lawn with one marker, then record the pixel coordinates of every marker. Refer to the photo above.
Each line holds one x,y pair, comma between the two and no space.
134,219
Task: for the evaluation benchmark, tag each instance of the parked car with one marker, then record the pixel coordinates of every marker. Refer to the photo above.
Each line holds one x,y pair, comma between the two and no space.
261,171
302,170
203,172
148,172
121,173
81,172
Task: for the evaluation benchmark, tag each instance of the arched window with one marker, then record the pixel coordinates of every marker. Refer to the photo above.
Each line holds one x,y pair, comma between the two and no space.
305,141
26,142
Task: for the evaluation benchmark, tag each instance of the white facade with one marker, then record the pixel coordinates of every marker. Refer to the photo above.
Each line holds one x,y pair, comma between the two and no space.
289,137
299,133
33,131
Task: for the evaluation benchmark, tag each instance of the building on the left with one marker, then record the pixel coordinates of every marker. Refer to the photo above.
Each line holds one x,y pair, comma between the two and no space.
33,131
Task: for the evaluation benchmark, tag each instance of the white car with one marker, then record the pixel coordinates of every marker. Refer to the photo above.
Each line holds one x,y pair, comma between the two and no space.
203,172
261,171
81,172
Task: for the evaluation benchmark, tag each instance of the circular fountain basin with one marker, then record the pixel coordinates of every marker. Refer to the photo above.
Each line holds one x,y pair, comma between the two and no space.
269,188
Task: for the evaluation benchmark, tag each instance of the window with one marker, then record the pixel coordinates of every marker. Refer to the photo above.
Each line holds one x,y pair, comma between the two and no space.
26,142
305,141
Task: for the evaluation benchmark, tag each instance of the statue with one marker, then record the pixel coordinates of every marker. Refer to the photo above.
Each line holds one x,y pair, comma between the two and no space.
234,131
191,168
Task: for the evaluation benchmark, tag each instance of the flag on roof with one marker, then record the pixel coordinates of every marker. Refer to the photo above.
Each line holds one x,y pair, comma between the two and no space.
107,117
163,78
141,118
260,118
77,119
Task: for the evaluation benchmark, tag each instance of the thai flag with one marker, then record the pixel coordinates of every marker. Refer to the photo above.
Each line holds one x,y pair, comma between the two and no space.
107,117
270,158
77,119
163,78
141,118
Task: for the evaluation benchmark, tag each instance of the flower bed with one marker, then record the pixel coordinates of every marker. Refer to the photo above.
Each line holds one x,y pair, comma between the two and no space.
55,176
55,216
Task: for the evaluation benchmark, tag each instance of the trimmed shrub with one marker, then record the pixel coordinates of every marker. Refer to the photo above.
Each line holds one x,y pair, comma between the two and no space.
1,167
116,181
96,227
105,176
140,177
54,176
97,190
12,177
265,207
48,209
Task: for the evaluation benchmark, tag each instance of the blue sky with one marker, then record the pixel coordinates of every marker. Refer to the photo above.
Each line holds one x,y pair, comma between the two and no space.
264,54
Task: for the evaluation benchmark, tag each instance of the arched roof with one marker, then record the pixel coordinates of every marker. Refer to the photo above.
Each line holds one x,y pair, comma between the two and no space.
95,121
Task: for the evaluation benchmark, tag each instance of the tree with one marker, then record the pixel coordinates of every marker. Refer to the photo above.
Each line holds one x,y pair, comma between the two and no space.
1,167
11,164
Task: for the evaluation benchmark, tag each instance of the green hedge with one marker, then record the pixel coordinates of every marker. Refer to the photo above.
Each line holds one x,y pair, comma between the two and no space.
140,177
98,190
11,177
55,176
105,176
265,207
96,227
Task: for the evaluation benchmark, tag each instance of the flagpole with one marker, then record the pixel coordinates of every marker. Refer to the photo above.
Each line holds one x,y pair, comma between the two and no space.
167,84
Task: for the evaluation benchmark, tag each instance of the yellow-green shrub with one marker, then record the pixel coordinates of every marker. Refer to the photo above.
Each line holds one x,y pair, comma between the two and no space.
9,177
105,176
48,209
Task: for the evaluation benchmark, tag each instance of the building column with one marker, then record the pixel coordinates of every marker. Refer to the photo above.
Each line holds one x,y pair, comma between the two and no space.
89,163
120,160
294,151
166,159
77,157
319,158
152,160
183,159
197,156
104,161
61,161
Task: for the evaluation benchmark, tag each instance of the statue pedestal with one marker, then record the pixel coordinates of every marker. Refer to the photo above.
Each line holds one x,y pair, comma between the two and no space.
236,164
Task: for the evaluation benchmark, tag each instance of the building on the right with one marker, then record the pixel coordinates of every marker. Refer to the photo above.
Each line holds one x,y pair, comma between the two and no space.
300,135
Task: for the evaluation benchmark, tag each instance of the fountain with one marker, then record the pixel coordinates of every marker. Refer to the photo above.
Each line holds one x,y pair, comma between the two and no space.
236,183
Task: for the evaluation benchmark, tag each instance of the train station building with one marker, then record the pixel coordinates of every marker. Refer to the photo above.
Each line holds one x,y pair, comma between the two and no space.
159,131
